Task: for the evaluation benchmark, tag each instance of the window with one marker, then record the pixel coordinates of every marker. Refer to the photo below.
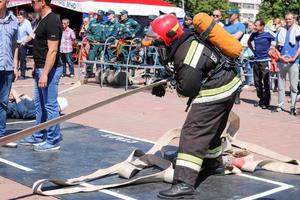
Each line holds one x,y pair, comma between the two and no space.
248,15
248,6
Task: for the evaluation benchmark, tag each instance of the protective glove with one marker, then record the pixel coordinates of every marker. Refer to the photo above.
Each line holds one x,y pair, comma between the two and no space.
160,90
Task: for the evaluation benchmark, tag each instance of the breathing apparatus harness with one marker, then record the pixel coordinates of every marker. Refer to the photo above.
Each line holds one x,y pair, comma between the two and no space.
166,55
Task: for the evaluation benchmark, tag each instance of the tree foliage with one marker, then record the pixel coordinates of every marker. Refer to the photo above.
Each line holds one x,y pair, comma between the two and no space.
271,9
208,6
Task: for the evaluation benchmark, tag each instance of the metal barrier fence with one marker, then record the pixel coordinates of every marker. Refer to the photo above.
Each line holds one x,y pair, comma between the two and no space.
127,64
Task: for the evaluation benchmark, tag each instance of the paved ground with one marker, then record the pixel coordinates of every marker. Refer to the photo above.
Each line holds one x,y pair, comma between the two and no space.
145,116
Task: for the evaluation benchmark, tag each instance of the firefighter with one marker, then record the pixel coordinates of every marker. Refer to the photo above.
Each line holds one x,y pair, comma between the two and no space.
150,19
129,29
113,28
130,24
95,35
211,82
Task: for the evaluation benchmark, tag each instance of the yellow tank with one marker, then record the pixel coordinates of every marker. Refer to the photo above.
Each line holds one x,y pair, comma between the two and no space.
218,36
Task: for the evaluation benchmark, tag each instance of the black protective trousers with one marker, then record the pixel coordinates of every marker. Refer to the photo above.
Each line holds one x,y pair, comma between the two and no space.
262,82
201,131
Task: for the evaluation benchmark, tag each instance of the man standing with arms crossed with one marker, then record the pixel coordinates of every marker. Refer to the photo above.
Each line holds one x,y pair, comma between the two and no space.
8,59
48,71
236,29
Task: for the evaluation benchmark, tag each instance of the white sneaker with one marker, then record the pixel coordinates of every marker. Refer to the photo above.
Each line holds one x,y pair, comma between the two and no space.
11,145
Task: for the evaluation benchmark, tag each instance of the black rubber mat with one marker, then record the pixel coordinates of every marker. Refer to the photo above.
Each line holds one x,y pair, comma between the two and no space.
85,149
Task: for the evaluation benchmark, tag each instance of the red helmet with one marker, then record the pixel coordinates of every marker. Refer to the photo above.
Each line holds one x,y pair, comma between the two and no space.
167,28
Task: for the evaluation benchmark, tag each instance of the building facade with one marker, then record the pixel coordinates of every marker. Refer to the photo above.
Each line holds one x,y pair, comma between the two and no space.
248,8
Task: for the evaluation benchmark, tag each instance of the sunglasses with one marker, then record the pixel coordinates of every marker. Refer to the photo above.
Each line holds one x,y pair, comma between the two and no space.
33,2
216,15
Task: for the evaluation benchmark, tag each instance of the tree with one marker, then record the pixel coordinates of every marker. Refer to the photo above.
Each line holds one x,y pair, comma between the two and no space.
270,9
208,6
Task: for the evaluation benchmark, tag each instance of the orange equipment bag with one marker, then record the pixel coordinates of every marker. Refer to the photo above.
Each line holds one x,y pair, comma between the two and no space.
217,35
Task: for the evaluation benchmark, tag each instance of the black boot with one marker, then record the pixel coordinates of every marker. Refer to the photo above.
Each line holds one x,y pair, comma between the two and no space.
212,166
293,111
178,191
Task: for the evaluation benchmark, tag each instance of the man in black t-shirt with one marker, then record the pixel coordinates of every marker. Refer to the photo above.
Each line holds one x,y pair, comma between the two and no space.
48,71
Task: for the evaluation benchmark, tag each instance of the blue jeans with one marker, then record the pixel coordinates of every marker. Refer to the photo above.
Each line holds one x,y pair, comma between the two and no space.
46,105
248,70
6,78
66,58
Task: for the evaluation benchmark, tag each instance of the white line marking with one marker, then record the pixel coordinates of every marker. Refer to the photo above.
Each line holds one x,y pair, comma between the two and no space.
127,136
267,193
15,165
264,180
20,122
283,186
109,192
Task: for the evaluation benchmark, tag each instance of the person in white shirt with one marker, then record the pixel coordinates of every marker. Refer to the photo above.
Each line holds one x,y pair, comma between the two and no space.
24,31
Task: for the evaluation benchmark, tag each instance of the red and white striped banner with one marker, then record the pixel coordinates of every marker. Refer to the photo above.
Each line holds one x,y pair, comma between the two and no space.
134,7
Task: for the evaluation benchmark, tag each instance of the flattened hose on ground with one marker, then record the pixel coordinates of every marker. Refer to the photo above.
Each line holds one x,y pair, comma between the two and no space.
28,131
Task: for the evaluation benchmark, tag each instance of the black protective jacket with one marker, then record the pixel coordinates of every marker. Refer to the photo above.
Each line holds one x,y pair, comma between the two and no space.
198,72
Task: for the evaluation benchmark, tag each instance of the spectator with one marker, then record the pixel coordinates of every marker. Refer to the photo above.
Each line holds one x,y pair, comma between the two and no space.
247,55
288,45
217,15
234,27
84,27
188,22
22,106
262,41
130,26
34,18
298,20
8,59
25,30
237,29
273,68
92,17
277,25
84,45
66,48
47,74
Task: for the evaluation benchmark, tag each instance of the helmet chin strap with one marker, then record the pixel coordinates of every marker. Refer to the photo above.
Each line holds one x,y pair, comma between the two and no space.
171,34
